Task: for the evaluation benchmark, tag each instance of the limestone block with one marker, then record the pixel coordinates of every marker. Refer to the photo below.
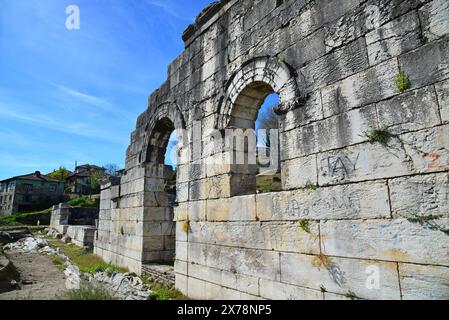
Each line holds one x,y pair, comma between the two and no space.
428,64
181,235
275,290
181,250
250,262
419,282
369,86
220,186
306,50
115,192
132,200
242,208
246,284
151,199
442,89
181,283
340,275
334,9
310,112
181,212
154,228
197,210
331,133
428,149
394,38
199,189
153,243
169,243
182,192
351,201
182,173
218,164
363,162
435,19
287,236
218,210
410,111
299,173
335,297
154,185
337,65
157,214
196,288
391,240
420,196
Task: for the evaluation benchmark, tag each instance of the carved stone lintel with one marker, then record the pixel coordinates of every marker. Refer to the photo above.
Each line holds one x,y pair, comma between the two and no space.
290,105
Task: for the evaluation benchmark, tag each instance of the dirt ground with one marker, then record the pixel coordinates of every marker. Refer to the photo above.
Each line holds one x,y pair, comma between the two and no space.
40,278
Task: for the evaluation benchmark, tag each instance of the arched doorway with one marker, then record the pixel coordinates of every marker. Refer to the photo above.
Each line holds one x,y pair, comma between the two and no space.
160,194
253,140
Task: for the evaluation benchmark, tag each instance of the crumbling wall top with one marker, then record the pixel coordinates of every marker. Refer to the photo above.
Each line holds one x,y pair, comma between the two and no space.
205,16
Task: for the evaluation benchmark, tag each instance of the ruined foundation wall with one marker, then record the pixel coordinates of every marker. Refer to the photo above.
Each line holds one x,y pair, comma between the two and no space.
351,207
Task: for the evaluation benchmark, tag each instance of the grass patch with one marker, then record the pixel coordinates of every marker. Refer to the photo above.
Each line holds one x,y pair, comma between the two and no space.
88,292
84,202
86,261
58,261
401,82
267,183
305,225
27,218
110,269
312,187
381,136
163,293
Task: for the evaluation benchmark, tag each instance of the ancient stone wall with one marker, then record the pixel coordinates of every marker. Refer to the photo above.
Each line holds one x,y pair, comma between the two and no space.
360,216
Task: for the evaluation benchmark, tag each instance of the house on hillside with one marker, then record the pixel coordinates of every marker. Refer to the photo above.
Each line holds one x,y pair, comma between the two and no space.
79,182
29,192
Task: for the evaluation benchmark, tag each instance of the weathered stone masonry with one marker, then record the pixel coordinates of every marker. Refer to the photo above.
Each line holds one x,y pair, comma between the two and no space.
333,64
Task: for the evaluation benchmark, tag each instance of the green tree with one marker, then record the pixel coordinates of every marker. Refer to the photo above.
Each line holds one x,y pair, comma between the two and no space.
61,174
95,181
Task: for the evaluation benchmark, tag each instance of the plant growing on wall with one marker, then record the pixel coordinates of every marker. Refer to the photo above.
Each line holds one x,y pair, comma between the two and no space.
351,295
305,225
379,135
401,82
312,187
428,221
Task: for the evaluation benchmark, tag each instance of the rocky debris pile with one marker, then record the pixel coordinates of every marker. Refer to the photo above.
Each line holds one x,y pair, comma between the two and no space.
53,233
30,245
13,235
125,286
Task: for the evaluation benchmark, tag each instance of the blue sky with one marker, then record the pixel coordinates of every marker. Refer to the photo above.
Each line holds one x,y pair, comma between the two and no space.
74,95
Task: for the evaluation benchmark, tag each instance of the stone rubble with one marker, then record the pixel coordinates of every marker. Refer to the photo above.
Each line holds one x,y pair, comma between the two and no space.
124,286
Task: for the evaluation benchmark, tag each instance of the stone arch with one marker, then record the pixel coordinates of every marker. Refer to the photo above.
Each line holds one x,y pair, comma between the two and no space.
163,120
250,85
